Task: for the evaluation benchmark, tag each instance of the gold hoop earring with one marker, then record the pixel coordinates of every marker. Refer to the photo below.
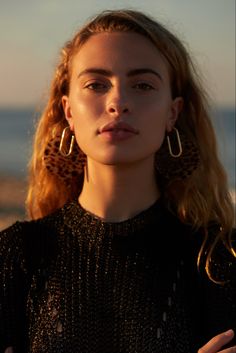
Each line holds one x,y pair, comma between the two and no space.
179,145
62,147
176,166
67,166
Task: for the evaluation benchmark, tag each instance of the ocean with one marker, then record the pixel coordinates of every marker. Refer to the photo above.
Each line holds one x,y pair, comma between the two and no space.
17,127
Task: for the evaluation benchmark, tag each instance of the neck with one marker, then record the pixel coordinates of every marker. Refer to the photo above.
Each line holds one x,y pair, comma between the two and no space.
117,193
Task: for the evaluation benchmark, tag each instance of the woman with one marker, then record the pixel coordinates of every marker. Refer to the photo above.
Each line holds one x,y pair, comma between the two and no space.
130,245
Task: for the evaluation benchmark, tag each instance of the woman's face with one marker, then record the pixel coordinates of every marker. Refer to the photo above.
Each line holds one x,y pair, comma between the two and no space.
120,105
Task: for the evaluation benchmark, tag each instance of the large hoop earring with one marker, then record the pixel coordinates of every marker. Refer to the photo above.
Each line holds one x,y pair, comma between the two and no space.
179,145
63,158
63,144
176,160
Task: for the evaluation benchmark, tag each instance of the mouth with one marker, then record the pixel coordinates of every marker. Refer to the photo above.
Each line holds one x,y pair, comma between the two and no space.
118,126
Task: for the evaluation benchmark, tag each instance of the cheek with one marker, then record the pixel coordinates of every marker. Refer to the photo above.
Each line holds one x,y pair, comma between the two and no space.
155,129
83,104
81,127
155,136
80,136
84,131
80,108
157,117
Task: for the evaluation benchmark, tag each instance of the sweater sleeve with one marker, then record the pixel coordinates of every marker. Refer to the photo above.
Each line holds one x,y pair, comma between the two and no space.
13,290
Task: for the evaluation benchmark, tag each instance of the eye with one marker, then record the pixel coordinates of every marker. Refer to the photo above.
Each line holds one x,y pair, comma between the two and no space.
143,86
96,86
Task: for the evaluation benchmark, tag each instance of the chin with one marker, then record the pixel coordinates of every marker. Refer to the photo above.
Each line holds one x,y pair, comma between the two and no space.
113,160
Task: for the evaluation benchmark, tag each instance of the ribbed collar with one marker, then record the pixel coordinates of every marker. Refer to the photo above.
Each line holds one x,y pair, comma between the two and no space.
77,218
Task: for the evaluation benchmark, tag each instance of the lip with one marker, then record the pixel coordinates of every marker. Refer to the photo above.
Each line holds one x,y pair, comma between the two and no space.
116,126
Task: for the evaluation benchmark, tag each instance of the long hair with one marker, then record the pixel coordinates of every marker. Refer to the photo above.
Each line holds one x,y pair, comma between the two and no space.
199,200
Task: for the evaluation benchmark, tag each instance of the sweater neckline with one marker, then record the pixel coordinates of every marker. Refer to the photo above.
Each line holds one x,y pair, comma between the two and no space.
76,217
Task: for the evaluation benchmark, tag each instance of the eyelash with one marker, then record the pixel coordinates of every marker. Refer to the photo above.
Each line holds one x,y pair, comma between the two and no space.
96,86
144,86
99,87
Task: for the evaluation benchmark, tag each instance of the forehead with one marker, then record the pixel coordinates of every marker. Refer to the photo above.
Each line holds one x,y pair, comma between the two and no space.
119,50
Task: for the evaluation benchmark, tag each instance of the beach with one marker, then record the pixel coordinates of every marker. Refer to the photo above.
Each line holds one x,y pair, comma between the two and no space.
12,200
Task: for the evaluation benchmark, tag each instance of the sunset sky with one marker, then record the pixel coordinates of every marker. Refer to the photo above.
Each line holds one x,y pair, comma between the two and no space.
32,33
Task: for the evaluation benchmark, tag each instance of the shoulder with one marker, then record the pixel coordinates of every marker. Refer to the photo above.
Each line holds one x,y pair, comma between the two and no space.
30,242
11,241
227,257
11,233
20,231
224,251
221,256
219,291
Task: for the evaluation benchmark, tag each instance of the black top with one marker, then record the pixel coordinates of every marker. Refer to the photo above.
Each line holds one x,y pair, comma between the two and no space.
71,282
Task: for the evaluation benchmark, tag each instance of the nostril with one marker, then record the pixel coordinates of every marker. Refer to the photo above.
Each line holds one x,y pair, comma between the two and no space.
118,110
112,110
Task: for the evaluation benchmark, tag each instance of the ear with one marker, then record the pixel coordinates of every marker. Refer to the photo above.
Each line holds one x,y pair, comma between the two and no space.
176,108
67,111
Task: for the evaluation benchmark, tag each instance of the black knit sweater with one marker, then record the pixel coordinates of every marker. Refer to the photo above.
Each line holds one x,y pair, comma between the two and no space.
73,283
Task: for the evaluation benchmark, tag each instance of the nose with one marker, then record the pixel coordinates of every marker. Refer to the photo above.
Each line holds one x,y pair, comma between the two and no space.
118,103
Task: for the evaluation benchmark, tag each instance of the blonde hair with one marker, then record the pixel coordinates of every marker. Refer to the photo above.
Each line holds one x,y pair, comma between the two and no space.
199,200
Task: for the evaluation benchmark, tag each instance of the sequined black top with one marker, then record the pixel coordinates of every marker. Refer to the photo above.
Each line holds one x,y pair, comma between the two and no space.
73,283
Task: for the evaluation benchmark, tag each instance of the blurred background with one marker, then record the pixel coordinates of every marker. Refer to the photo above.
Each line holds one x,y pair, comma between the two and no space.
31,35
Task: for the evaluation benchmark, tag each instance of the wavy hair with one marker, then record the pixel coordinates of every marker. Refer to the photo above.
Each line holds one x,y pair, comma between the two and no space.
199,200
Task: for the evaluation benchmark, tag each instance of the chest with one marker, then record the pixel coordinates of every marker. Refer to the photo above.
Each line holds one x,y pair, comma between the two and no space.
109,297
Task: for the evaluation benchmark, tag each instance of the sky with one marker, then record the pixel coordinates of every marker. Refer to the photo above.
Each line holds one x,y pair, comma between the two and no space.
33,31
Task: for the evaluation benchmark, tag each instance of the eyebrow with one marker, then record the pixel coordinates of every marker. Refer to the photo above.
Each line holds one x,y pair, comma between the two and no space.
108,73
